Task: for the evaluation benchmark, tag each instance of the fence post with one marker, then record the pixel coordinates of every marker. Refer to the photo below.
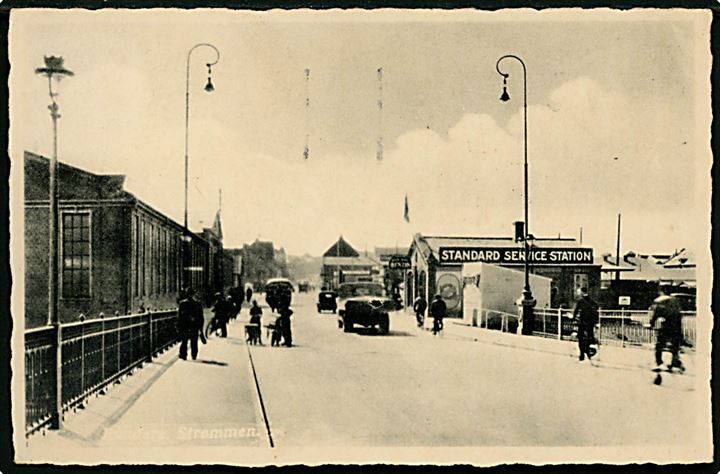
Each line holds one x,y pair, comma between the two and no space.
56,410
622,326
82,357
150,347
559,334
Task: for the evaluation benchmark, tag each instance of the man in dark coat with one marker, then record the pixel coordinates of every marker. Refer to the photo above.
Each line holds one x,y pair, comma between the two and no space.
256,318
419,306
248,294
586,313
190,323
667,311
223,310
285,312
438,308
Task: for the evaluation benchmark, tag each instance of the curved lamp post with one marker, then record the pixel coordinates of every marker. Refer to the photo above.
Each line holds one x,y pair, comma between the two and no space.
208,88
54,69
528,302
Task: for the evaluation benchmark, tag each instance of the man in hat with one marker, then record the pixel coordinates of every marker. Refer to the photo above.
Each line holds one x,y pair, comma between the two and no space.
223,310
438,308
586,313
190,323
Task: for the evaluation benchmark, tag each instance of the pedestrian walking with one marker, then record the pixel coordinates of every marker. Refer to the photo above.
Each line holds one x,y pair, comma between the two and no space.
284,317
190,323
248,294
223,310
586,314
419,306
666,312
438,308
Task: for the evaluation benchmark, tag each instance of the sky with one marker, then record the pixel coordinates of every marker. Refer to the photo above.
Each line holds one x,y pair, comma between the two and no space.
618,120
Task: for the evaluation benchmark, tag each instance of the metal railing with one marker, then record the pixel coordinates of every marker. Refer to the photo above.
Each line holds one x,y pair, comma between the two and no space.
616,327
93,354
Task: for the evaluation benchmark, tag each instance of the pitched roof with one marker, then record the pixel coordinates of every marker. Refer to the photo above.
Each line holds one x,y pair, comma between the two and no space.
341,249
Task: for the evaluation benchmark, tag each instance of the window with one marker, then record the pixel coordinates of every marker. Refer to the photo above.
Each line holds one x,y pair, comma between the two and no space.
75,255
135,255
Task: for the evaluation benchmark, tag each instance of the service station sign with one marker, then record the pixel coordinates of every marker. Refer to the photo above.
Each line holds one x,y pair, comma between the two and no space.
516,256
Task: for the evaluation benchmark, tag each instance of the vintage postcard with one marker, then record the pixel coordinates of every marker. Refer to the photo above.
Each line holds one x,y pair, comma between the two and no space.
360,236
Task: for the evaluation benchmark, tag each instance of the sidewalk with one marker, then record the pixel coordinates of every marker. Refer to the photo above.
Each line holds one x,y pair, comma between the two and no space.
608,355
211,401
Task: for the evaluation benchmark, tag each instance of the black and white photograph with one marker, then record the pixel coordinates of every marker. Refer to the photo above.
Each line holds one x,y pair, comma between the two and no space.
351,236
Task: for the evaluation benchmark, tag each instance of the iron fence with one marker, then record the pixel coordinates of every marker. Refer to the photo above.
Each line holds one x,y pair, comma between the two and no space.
616,327
92,354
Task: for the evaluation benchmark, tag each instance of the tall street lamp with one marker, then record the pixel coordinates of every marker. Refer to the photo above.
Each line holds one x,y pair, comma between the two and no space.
208,88
528,302
54,69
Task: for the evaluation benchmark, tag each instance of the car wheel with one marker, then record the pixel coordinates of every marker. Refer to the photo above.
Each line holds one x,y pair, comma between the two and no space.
347,326
384,323
340,323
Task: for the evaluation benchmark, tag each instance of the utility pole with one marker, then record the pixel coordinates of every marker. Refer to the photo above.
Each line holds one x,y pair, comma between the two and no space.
617,251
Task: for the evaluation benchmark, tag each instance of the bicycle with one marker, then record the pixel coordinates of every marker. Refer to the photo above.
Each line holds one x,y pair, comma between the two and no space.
212,328
437,326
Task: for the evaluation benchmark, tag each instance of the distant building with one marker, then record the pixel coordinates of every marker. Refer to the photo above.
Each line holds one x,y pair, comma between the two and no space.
639,276
261,261
342,263
116,253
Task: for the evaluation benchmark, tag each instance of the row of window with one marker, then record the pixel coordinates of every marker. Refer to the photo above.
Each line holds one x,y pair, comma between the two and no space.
155,258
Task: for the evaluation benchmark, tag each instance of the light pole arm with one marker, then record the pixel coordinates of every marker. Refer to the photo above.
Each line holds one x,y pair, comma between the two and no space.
527,292
187,113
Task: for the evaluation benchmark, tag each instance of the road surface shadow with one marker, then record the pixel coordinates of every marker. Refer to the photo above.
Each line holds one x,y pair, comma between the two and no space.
211,362
376,332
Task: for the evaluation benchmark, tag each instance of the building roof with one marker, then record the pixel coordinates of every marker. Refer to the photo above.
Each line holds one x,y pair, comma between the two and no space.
341,249
384,253
660,268
682,259
79,185
350,261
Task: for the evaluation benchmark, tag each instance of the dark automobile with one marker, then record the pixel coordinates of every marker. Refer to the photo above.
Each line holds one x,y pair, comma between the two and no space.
364,304
303,286
278,292
327,301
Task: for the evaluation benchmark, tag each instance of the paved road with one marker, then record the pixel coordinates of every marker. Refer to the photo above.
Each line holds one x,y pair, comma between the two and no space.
410,388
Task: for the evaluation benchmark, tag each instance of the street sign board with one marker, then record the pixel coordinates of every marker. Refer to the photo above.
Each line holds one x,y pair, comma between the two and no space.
624,300
516,255
399,262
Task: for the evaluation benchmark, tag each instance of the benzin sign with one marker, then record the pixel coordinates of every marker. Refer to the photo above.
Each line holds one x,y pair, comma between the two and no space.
514,255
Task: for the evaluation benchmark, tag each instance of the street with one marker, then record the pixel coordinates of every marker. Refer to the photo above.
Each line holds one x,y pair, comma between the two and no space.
410,388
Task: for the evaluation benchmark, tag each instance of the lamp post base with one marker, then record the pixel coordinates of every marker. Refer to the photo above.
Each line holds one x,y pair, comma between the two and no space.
528,313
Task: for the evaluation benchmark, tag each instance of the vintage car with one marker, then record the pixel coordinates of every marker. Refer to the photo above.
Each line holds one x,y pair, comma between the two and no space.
327,301
278,292
364,304
303,286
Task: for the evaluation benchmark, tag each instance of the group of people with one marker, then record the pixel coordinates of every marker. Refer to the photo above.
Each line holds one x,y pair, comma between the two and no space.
282,326
438,308
666,318
191,320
